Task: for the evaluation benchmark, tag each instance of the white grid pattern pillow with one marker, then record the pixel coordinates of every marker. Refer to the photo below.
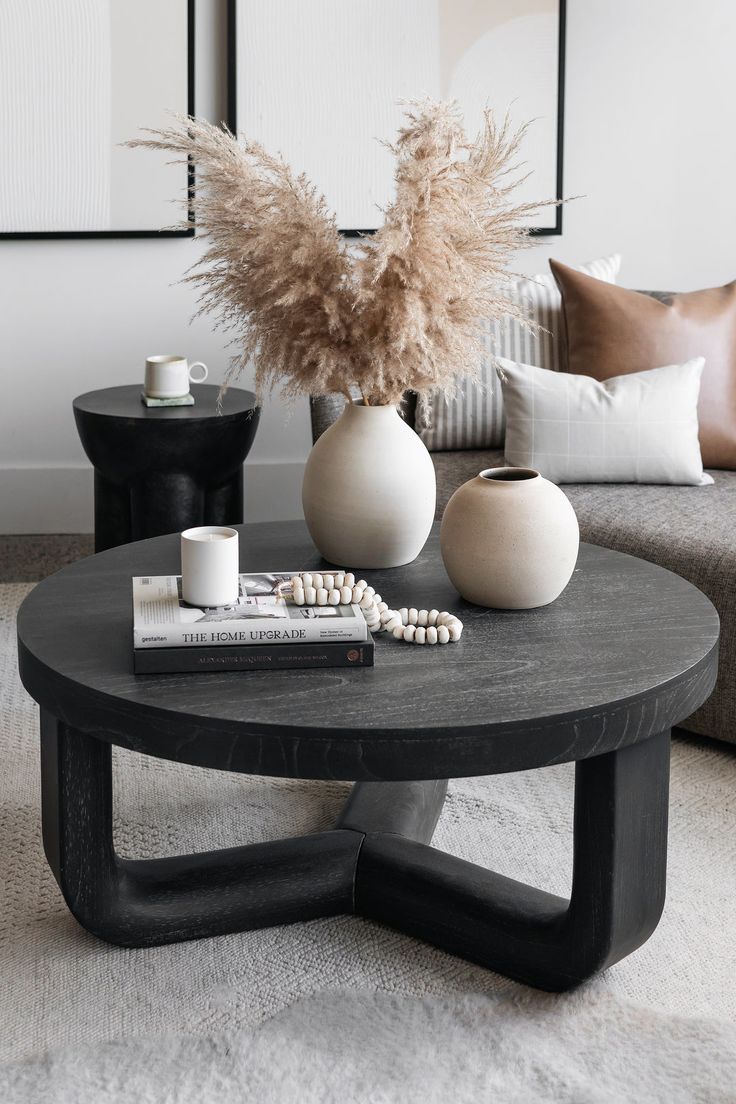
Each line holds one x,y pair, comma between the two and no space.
473,416
638,428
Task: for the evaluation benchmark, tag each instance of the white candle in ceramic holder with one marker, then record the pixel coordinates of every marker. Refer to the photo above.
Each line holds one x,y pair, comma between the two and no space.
209,566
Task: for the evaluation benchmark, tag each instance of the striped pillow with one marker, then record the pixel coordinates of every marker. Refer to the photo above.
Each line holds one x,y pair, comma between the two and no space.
473,417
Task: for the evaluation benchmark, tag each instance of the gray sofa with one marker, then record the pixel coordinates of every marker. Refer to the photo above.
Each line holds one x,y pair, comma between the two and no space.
689,530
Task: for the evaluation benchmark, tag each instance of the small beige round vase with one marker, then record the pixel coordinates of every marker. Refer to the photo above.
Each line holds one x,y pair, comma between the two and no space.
509,539
369,490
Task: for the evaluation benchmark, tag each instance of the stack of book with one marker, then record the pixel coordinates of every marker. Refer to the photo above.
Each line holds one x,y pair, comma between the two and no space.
260,631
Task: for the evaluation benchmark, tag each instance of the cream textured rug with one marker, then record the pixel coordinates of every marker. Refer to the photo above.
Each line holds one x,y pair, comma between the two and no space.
61,988
381,1048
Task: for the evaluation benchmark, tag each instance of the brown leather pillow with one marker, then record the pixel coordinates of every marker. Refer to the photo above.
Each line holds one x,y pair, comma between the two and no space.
610,331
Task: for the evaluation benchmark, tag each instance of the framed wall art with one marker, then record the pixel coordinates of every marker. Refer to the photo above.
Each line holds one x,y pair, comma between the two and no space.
321,81
78,78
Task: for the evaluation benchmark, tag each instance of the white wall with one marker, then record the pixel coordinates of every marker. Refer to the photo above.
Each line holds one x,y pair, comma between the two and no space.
77,315
649,142
651,90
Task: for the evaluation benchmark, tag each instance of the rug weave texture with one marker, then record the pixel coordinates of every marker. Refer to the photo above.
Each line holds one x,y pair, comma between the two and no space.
61,987
385,1048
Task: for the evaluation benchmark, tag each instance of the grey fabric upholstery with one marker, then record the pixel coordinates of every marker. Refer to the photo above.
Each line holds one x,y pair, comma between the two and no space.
689,530
326,409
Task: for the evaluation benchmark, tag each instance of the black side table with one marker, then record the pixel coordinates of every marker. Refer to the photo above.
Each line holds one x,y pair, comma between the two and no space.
163,469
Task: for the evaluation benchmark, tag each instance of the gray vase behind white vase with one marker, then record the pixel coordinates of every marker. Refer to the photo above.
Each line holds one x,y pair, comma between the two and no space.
509,539
369,489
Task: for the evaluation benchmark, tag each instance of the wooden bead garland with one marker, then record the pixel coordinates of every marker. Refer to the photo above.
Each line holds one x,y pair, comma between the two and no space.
313,588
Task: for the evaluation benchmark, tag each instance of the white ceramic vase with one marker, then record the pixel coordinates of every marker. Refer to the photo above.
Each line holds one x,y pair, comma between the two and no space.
369,490
509,539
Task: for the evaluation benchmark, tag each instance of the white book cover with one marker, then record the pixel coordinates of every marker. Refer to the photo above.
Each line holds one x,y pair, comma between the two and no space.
162,619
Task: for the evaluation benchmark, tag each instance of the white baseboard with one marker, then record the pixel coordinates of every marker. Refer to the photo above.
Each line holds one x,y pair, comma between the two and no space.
59,500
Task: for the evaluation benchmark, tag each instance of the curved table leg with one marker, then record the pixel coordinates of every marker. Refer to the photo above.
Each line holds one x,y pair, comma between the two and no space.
112,513
377,862
165,502
224,505
618,889
140,903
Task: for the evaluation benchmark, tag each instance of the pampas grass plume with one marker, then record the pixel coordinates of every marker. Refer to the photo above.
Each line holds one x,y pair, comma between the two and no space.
401,310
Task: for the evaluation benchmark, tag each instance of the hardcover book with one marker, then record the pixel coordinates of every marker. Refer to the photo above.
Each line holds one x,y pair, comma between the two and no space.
272,657
259,617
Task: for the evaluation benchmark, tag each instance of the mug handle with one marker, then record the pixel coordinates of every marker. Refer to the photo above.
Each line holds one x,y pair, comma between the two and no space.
198,364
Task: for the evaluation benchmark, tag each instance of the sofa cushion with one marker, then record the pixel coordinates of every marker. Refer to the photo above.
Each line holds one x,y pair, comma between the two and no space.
685,529
610,330
472,417
641,427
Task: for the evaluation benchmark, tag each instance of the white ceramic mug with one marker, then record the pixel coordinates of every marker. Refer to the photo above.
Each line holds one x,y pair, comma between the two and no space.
209,566
168,377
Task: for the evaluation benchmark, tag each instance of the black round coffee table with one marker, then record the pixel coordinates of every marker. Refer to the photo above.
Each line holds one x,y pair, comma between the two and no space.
599,677
164,469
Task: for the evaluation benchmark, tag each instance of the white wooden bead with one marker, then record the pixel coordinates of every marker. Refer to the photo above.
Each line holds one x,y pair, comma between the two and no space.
406,623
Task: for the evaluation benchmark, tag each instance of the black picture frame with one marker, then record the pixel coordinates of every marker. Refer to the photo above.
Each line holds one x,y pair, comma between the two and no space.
46,235
536,231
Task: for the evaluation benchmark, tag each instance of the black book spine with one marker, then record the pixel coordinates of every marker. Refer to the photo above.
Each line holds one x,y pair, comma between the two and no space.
273,657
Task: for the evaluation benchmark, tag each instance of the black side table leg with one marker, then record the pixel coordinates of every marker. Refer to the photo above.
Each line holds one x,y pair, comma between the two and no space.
140,903
165,502
224,505
535,937
112,514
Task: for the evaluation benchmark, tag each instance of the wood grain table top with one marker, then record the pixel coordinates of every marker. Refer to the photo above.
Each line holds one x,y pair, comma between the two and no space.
627,651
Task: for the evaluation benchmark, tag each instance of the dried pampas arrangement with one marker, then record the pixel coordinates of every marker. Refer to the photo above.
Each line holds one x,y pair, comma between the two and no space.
399,311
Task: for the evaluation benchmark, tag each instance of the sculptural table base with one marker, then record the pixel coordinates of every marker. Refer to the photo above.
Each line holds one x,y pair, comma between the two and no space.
376,863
